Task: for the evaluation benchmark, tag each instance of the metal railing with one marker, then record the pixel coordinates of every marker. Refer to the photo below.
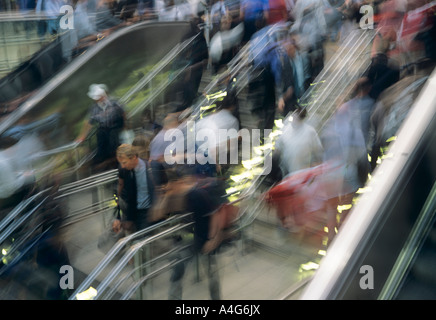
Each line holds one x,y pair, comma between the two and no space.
243,65
17,226
388,182
121,245
321,98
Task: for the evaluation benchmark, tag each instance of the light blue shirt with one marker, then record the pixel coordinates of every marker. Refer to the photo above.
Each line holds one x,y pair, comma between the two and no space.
143,197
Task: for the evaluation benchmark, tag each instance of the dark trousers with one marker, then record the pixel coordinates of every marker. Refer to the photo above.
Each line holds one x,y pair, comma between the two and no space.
207,262
107,144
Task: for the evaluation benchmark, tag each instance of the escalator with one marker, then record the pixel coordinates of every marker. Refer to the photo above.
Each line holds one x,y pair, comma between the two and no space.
147,279
135,63
33,73
57,111
368,251
385,249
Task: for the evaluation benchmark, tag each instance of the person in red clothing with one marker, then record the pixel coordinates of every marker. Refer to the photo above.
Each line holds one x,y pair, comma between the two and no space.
277,11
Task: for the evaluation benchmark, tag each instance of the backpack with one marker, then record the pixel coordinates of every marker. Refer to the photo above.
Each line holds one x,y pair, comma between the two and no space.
221,225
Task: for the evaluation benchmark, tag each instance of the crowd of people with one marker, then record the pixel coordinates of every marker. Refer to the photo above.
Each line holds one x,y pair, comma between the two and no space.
403,57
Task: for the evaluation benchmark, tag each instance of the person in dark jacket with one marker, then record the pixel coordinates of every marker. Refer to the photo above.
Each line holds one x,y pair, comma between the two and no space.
203,199
109,118
135,188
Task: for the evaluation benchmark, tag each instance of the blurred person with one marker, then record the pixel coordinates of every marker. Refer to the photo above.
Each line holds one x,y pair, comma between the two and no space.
203,199
217,11
333,17
125,9
298,154
223,120
349,10
417,38
51,10
135,188
384,70
382,73
52,253
142,144
283,68
105,21
158,146
311,27
299,146
195,59
271,86
301,67
345,153
25,7
277,12
253,13
290,6
224,43
390,15
82,17
149,126
361,106
17,177
108,116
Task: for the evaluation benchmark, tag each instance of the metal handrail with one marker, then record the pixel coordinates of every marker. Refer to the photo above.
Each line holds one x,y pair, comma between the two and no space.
135,89
8,231
79,186
326,93
132,251
164,62
369,211
19,208
118,247
115,287
152,274
423,225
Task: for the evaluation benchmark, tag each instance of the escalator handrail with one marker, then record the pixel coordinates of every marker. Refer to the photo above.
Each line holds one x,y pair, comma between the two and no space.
118,247
357,230
76,64
168,266
163,63
87,183
132,251
156,91
162,256
20,221
411,249
58,79
20,208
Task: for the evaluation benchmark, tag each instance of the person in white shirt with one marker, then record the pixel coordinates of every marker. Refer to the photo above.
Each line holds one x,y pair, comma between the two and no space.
299,146
222,126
